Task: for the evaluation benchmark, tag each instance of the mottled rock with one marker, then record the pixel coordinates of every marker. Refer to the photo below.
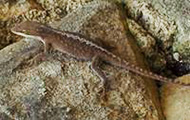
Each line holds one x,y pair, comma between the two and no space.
168,22
153,21
9,55
179,12
44,11
63,88
145,41
9,9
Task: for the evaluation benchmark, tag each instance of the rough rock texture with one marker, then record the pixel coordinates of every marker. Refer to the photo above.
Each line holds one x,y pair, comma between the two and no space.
45,11
153,21
168,22
152,29
9,9
179,12
145,41
63,88
9,56
176,100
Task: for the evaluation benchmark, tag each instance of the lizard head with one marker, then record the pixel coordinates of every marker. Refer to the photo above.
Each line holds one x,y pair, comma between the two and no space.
29,29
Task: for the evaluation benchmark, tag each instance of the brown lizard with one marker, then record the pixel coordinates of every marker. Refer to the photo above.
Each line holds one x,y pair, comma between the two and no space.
80,48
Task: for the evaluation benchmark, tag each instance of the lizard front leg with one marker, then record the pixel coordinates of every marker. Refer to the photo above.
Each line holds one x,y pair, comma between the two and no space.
96,61
46,47
43,55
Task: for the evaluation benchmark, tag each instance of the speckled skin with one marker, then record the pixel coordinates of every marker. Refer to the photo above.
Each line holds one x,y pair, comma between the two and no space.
80,48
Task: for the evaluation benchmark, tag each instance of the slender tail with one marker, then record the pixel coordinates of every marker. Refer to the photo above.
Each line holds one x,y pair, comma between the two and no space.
152,75
126,65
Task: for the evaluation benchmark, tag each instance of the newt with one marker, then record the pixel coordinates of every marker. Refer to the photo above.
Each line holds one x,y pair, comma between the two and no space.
79,47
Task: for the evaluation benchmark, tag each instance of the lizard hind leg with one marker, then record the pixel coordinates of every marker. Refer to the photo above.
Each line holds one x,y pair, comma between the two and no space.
96,61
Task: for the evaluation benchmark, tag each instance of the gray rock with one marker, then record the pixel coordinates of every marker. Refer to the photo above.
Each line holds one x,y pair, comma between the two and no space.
63,88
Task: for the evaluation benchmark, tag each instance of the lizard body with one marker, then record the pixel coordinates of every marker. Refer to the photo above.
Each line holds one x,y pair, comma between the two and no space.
80,48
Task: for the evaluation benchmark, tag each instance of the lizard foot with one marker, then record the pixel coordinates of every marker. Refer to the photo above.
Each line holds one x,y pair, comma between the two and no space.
104,92
38,58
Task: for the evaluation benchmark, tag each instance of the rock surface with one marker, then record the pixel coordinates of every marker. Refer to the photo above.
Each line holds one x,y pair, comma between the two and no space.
63,88
153,21
44,11
168,21
176,100
179,12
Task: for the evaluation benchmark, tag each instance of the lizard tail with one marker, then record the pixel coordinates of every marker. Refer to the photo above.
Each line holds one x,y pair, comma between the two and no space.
126,65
